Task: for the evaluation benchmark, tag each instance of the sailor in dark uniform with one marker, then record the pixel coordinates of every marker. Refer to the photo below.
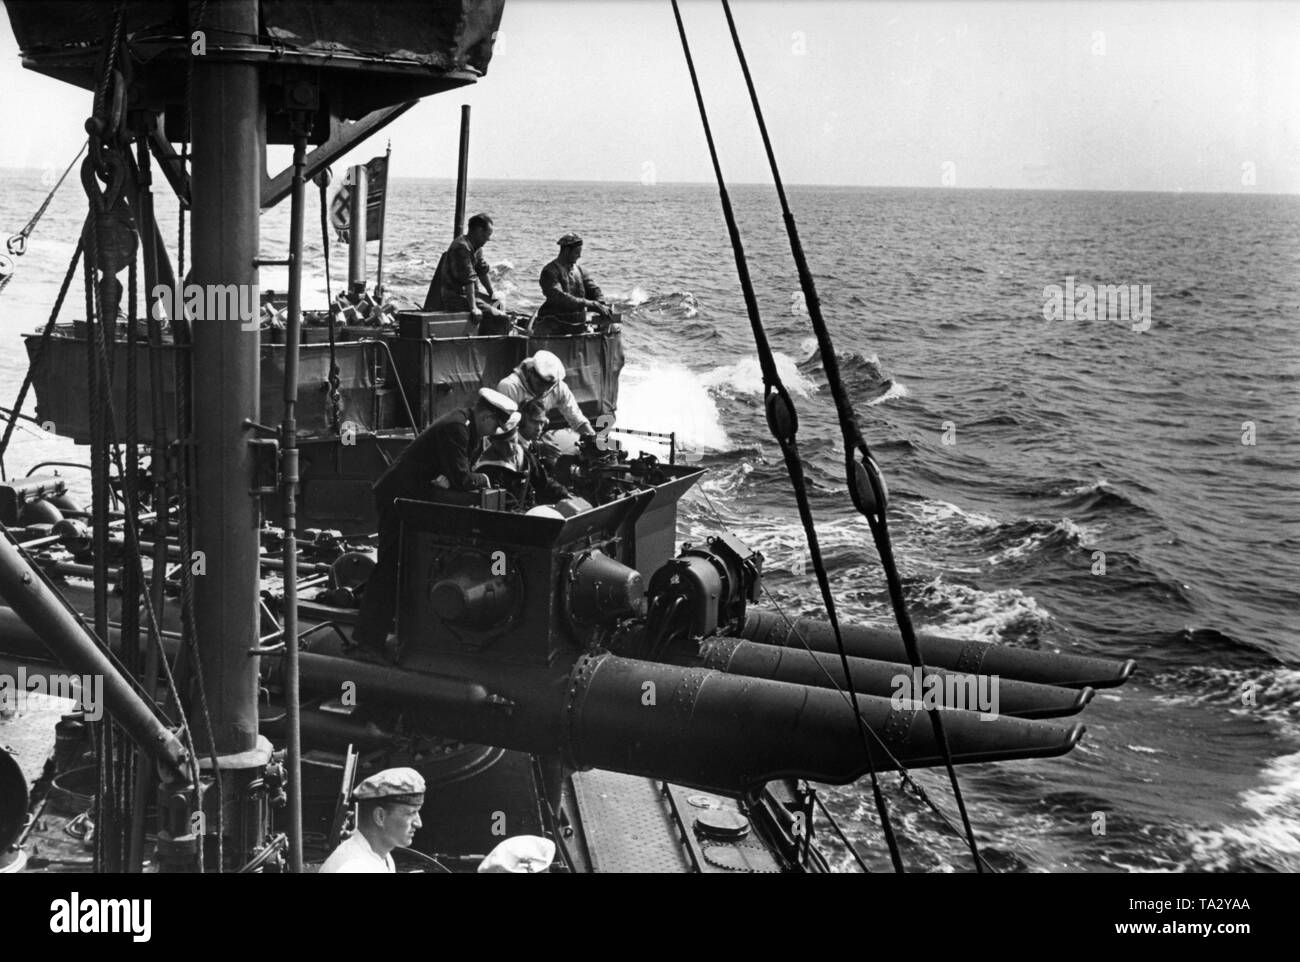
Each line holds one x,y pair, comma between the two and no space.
570,292
542,487
439,458
512,461
454,287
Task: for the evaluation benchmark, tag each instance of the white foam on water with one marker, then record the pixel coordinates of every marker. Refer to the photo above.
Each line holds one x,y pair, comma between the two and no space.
939,514
1093,488
1270,833
1082,535
1272,836
896,390
669,397
984,615
746,377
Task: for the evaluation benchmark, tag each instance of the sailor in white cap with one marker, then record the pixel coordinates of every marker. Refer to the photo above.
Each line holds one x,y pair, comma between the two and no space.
504,461
541,377
522,855
441,457
570,292
388,816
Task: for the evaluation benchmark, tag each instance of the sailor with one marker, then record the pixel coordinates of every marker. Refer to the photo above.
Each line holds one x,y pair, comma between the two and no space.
520,855
439,458
504,462
570,292
454,287
542,488
541,377
388,816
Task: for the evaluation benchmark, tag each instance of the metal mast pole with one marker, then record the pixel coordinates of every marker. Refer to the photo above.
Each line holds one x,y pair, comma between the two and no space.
227,135
383,214
289,489
462,172
357,230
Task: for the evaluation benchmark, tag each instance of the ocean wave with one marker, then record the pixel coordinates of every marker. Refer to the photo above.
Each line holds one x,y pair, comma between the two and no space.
861,373
994,420
1006,614
1268,694
896,390
681,305
943,514
1269,840
1087,496
1037,536
670,397
746,377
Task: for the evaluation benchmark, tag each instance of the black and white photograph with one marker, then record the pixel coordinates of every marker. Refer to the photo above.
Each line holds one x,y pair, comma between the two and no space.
651,436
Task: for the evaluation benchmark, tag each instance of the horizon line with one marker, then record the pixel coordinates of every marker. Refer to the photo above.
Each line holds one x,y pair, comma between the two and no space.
768,183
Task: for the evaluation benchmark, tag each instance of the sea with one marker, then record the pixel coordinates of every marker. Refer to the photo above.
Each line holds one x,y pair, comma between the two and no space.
1120,484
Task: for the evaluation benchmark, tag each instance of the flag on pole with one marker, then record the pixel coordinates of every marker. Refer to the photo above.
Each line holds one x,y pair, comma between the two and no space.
376,195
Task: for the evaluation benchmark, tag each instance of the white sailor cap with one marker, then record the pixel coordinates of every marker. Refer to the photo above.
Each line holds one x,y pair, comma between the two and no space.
504,405
548,367
508,428
390,783
523,854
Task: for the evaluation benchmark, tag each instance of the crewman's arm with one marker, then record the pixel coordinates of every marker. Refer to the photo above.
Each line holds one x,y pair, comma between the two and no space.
460,271
596,298
545,488
484,275
568,405
556,296
459,473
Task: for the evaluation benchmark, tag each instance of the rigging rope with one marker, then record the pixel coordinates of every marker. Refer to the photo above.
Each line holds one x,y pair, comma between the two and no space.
871,505
39,353
17,245
321,182
783,422
103,294
898,765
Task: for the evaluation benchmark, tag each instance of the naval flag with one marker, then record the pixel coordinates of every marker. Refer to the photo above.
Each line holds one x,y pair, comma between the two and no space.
376,193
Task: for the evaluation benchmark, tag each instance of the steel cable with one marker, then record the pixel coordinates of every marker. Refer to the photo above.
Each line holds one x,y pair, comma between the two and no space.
874,509
783,422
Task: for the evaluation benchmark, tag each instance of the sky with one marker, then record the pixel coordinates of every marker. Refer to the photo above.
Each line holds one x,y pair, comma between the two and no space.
1135,95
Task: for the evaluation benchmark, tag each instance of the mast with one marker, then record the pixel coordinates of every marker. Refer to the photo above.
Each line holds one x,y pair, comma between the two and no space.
227,130
357,230
462,173
383,211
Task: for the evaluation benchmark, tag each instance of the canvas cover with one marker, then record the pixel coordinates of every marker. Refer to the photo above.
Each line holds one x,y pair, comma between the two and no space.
62,398
592,365
438,34
453,369
357,387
